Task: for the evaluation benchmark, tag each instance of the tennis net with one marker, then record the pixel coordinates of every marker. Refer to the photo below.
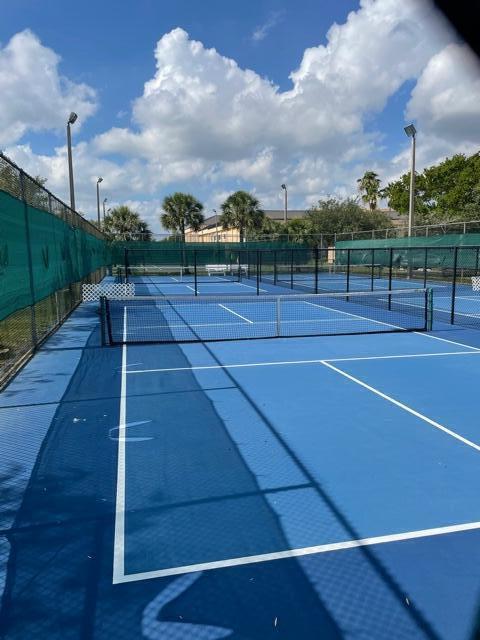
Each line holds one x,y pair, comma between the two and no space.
143,319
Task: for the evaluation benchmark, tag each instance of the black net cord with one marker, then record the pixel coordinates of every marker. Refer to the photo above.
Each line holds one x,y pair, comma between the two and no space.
454,284
30,265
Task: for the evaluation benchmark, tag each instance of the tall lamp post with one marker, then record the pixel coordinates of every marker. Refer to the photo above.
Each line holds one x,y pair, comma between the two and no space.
216,224
285,203
104,203
411,133
98,199
71,119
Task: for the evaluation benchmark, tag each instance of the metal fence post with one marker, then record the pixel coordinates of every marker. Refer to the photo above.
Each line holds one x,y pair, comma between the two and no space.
390,268
348,269
274,266
291,268
30,264
425,265
258,272
195,271
372,271
316,268
454,285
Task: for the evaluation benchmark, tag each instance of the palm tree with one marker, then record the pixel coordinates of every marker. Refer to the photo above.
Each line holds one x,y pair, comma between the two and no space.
181,210
241,211
369,187
124,224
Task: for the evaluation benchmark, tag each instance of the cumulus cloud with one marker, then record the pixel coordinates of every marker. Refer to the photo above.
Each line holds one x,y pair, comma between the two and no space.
35,96
204,124
446,98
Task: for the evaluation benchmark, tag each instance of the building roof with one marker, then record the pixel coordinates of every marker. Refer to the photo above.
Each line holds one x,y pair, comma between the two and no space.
273,214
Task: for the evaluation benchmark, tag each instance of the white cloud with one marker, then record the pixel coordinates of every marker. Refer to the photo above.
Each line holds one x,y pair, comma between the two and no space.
203,123
34,95
446,98
262,31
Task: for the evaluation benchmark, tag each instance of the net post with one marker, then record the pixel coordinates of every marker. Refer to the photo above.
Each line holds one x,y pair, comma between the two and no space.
454,285
316,268
30,263
291,268
274,267
258,272
195,271
476,261
248,264
429,310
278,315
425,264
372,270
102,321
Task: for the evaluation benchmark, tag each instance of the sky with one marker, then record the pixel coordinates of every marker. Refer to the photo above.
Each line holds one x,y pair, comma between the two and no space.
214,96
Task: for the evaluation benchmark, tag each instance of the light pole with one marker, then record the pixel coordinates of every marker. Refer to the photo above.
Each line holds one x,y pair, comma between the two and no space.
411,133
98,199
104,203
71,119
285,206
216,224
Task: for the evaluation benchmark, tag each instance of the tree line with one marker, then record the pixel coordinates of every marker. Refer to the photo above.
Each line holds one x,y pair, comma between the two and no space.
446,192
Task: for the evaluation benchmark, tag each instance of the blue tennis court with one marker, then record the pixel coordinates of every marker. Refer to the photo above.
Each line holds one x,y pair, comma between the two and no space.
300,487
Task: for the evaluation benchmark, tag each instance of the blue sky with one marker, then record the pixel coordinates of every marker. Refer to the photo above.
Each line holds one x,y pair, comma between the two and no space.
213,96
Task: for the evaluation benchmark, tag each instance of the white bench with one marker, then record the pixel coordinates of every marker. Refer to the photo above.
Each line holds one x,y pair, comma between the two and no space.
223,269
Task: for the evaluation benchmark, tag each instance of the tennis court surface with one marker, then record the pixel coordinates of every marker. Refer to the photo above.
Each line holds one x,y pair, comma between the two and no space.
288,486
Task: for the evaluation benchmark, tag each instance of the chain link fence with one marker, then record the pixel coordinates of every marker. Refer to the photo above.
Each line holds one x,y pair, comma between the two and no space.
47,251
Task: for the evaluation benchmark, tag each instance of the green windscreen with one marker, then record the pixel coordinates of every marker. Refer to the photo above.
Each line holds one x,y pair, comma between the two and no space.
47,251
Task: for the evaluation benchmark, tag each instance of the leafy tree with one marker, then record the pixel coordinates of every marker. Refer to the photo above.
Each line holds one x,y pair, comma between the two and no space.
242,211
300,230
124,224
445,192
334,216
369,187
181,210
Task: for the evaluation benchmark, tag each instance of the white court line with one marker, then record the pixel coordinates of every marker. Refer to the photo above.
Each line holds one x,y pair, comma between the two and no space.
235,314
189,287
297,553
459,344
241,284
353,315
169,325
301,362
405,407
119,544
419,306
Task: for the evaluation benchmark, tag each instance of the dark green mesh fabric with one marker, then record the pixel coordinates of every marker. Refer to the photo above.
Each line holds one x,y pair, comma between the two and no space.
60,254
